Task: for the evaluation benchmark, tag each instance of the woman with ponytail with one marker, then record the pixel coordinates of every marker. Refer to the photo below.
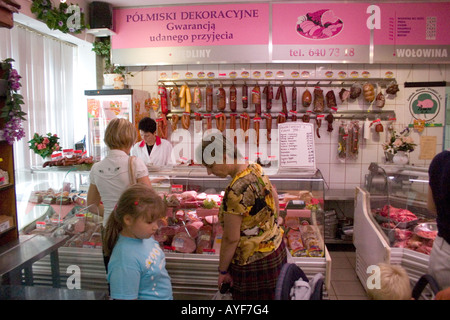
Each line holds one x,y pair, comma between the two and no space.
137,267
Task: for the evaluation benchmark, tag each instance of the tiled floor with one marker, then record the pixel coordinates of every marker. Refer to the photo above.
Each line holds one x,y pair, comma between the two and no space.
345,284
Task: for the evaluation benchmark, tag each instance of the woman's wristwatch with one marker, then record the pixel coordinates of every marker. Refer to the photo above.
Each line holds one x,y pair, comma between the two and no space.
222,272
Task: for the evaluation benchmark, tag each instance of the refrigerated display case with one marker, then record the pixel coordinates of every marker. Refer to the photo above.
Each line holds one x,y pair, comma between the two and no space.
392,222
105,105
193,275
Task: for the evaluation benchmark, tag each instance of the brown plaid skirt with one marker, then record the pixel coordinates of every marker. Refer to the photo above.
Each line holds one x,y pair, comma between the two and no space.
257,280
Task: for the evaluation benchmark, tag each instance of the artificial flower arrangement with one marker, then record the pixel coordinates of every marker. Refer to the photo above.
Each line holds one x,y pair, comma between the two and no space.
44,145
400,142
62,18
12,111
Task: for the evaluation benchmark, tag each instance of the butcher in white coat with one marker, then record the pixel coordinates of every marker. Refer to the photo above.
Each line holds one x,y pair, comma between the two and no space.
153,150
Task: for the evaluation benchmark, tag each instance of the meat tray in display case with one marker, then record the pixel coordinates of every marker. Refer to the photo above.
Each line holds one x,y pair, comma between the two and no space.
191,234
392,222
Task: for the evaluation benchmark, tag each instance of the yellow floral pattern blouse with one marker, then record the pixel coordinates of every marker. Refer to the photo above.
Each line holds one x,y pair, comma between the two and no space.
250,195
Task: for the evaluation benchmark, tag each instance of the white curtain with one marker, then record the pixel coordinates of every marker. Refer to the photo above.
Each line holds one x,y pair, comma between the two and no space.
47,68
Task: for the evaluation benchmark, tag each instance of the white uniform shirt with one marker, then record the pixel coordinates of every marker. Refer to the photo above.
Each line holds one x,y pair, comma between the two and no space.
161,154
110,176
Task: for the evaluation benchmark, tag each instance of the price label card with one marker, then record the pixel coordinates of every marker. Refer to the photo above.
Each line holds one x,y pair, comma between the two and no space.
296,143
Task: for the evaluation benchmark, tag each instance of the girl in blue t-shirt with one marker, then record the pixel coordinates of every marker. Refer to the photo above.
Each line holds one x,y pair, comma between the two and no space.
137,267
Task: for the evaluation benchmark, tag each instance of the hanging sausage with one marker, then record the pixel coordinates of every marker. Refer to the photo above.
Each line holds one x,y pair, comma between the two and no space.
221,98
268,126
294,98
221,122
256,126
198,123
162,91
256,99
209,98
186,120
268,91
174,97
244,121
174,121
197,97
281,93
233,98
245,96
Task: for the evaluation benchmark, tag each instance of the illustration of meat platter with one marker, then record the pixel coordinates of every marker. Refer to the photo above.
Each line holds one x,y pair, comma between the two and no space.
320,25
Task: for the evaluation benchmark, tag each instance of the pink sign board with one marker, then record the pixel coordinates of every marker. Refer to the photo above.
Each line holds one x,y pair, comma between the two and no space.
413,24
320,23
184,26
412,33
327,32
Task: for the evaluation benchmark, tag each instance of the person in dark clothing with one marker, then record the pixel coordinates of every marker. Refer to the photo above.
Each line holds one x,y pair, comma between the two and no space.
439,203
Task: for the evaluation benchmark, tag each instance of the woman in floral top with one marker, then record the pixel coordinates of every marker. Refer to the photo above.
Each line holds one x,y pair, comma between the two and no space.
252,250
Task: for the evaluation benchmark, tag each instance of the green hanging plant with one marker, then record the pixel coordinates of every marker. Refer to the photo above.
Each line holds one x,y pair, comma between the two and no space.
65,18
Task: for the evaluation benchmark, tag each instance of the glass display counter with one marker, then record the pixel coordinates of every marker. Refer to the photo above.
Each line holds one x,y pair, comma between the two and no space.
392,222
197,196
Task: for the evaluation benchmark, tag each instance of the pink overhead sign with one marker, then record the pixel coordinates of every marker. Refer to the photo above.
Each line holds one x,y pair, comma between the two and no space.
333,32
177,26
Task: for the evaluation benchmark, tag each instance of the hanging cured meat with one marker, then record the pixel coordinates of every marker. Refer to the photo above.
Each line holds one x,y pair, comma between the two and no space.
355,91
330,118
331,100
380,100
369,92
344,94
318,100
306,98
392,88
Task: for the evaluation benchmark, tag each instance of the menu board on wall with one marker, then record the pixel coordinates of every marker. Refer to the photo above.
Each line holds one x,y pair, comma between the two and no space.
191,34
413,33
296,143
320,32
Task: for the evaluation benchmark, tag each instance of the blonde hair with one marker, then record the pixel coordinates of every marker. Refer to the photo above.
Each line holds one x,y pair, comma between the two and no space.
138,200
394,284
120,133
